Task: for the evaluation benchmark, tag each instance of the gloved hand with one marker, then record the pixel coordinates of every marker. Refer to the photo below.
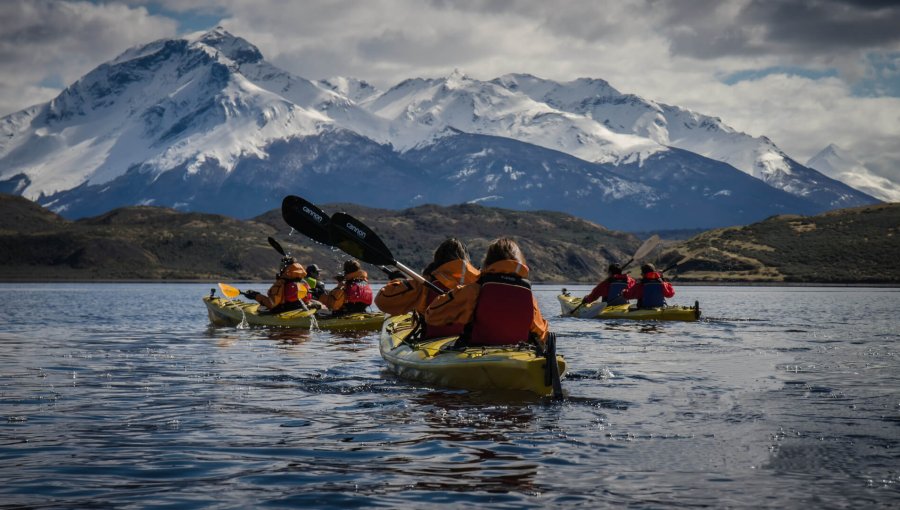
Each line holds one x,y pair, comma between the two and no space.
396,275
250,294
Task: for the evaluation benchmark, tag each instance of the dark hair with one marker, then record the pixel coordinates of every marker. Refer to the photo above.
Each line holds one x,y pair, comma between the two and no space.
648,268
312,269
450,249
351,266
503,248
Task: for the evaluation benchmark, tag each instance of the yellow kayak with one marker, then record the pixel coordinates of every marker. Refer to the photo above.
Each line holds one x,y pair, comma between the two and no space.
224,312
599,310
475,368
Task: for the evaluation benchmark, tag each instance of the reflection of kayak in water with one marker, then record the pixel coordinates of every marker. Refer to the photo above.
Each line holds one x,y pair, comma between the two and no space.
223,312
599,310
514,367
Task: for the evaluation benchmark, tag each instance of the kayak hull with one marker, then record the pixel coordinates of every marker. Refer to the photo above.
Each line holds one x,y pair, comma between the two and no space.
598,310
475,368
224,312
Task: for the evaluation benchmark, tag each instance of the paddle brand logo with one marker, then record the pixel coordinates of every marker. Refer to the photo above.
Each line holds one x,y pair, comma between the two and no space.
353,228
316,216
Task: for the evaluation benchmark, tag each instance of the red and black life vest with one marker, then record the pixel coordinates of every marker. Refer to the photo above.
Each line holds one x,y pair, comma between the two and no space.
292,291
652,291
504,311
432,331
357,292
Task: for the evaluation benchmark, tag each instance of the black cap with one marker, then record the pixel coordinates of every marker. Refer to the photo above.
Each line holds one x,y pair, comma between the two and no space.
312,269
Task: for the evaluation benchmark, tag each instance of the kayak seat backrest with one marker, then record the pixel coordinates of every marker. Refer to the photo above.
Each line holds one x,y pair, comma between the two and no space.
504,312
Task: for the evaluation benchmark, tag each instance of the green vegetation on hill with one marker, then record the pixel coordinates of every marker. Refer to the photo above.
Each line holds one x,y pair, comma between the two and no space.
156,243
858,245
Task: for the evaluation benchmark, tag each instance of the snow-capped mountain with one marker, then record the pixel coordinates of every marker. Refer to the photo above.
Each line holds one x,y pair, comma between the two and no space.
842,165
677,127
205,123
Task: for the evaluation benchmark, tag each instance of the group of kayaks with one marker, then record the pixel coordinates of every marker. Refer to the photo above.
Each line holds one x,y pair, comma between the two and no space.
438,361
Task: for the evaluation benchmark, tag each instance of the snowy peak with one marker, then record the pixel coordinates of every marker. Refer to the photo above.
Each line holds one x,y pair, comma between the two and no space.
844,166
236,49
358,91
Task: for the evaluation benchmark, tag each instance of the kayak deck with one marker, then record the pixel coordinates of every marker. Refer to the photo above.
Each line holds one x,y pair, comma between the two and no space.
224,312
599,310
474,368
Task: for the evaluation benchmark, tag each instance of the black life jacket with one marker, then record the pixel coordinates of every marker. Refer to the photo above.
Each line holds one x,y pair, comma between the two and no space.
617,284
504,311
652,292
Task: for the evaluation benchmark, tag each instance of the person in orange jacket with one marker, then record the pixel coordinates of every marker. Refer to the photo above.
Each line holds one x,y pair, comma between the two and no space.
289,292
499,308
652,290
352,294
449,269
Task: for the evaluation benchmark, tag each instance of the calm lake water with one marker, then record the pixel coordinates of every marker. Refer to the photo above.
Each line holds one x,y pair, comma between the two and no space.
122,395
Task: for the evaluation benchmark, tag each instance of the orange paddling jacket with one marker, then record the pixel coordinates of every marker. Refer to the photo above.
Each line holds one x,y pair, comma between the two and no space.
502,317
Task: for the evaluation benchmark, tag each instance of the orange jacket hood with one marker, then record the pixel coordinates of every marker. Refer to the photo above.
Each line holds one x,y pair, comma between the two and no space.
294,272
455,273
508,266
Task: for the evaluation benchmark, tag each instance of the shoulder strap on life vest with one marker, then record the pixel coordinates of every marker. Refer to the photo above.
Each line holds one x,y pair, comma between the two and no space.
503,313
652,293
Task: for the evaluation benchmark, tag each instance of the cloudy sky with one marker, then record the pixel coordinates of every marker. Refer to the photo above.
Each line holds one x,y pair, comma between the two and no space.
805,73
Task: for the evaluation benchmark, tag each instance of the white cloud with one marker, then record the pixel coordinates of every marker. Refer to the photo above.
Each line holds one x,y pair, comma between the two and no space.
45,43
675,52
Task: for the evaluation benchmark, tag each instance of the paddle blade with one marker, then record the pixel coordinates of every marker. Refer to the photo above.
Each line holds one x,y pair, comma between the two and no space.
645,249
306,218
229,291
356,239
277,246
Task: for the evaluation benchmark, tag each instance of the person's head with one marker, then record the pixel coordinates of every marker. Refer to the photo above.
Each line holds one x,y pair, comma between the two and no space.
613,269
648,268
449,250
503,248
312,270
351,266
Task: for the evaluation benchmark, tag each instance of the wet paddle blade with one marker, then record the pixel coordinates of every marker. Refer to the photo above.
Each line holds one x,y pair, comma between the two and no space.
277,246
229,291
306,218
356,239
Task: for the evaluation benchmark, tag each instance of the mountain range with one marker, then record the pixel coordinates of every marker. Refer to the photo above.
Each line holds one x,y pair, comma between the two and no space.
207,124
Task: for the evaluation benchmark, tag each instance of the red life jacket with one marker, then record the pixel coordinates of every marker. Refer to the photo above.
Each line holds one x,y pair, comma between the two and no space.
432,331
358,292
292,291
504,312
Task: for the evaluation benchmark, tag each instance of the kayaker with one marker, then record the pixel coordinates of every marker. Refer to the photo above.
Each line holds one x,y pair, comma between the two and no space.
610,290
316,286
652,290
285,293
449,269
352,294
499,308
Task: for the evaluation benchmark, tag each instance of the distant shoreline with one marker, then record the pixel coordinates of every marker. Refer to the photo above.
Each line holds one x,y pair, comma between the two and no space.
379,281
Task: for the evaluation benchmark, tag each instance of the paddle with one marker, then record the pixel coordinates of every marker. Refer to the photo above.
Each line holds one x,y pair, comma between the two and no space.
311,221
277,247
356,239
551,374
643,250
